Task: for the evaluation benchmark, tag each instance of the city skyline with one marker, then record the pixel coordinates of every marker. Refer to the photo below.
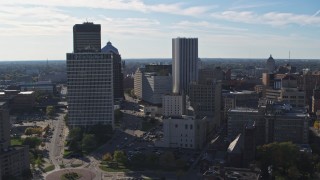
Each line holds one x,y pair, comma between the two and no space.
38,30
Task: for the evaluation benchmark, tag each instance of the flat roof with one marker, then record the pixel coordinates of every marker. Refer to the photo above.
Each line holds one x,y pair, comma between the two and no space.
26,92
243,109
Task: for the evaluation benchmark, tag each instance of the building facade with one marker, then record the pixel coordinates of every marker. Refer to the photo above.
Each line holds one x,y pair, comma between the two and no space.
117,70
316,100
239,117
287,125
206,99
90,89
271,64
138,80
14,160
184,63
90,79
152,82
307,82
4,126
155,87
184,132
86,37
173,105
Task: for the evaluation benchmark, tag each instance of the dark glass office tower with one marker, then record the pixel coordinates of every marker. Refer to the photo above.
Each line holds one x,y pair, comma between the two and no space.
117,71
90,80
86,37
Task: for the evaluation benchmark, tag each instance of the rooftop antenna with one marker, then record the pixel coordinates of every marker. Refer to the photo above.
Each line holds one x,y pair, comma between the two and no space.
289,55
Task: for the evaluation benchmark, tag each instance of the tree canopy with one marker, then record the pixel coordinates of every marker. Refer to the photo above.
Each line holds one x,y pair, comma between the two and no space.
88,142
284,160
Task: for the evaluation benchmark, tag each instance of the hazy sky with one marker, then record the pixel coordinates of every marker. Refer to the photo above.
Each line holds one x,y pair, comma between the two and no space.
41,29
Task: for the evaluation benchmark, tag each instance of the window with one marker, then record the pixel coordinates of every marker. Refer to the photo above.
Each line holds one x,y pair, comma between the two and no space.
191,127
186,145
176,125
186,126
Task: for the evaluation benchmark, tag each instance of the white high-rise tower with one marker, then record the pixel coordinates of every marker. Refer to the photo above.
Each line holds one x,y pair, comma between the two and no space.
184,63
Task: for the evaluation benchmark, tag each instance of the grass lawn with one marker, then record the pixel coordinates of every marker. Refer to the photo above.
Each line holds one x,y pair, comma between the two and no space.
16,141
49,168
76,165
119,168
66,153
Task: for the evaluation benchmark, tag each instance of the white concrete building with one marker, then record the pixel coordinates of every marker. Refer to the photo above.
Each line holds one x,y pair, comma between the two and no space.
151,86
138,80
155,87
184,63
184,132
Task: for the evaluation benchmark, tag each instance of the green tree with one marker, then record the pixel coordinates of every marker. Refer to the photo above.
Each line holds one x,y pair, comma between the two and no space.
286,161
138,159
32,142
117,115
107,157
167,160
152,160
32,159
88,142
180,163
119,157
101,132
65,118
75,134
33,130
50,110
74,138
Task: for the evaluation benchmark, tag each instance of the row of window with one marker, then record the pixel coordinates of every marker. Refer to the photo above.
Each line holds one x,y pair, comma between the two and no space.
186,145
186,126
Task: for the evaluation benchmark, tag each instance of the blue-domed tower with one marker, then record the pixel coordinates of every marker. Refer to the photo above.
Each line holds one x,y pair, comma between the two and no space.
117,71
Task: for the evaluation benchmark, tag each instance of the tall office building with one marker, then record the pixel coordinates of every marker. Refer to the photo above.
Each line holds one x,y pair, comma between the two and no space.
90,86
86,37
14,160
4,126
117,71
271,64
184,63
152,82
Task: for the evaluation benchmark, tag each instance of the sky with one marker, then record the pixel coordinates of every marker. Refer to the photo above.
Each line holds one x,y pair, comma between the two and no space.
42,29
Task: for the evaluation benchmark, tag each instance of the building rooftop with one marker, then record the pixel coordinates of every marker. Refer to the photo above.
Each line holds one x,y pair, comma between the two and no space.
270,59
234,145
232,173
26,92
286,109
244,109
2,103
109,48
